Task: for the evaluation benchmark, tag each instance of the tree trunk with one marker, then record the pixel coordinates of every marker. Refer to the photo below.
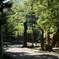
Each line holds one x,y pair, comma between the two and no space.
42,40
1,41
25,35
48,46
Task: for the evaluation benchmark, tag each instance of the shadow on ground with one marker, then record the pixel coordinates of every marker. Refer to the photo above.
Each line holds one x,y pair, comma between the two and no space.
19,54
25,55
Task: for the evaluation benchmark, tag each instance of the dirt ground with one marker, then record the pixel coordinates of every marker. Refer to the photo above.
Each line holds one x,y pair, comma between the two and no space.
17,52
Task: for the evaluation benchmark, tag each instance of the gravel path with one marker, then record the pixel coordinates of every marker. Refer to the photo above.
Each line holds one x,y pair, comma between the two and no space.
25,53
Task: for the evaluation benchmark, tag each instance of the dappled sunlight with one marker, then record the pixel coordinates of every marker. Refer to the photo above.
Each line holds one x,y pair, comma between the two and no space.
26,55
21,53
29,29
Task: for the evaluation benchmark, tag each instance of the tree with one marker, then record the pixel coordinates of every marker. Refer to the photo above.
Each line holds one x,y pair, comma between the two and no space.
25,35
2,22
39,14
48,15
14,24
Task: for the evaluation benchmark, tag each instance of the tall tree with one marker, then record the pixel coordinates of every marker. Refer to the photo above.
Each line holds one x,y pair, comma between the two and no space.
25,35
2,22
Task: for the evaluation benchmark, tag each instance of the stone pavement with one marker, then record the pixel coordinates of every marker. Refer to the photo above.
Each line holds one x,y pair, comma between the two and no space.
25,53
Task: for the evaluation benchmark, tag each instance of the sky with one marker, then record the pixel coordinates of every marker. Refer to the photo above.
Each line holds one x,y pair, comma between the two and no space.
6,1
14,0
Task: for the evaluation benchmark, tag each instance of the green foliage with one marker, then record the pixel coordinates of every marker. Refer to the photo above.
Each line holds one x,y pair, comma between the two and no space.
39,14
